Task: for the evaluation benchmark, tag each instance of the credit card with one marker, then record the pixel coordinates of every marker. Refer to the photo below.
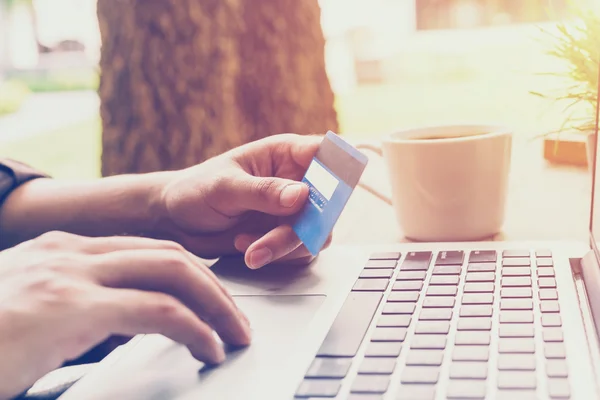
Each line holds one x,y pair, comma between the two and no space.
331,177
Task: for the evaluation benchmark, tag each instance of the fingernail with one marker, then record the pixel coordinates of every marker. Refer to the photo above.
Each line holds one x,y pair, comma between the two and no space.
211,355
218,354
260,257
289,195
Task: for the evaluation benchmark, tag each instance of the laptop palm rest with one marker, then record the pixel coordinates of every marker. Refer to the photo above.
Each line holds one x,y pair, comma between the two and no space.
158,368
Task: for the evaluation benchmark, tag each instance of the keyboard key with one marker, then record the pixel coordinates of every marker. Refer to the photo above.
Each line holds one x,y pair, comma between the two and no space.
549,320
414,374
383,349
557,369
549,306
329,368
548,294
518,346
516,317
388,264
547,283
544,262
370,384
442,291
388,335
472,338
399,308
377,365
555,350
473,287
444,280
438,302
376,273
481,256
516,394
558,388
319,388
516,362
365,396
403,297
408,286
516,293
516,304
468,370
416,392
515,253
516,271
552,335
417,260
476,311
466,389
447,270
516,262
350,325
433,327
425,357
370,285
480,277
516,330
543,253
517,380
474,324
394,320
435,314
450,258
470,353
411,275
425,342
478,298
386,255
483,267
516,281
545,272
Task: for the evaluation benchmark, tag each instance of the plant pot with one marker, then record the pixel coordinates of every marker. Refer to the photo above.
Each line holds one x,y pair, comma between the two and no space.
591,143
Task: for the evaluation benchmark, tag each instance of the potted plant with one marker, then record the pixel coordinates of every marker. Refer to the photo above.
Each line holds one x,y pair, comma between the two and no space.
576,44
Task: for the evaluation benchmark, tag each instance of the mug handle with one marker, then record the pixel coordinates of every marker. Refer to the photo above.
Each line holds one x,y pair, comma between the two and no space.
377,150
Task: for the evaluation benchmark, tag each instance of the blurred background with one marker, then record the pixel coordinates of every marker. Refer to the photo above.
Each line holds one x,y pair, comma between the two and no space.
184,80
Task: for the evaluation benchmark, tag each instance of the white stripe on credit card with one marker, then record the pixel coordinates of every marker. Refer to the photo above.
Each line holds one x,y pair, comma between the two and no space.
321,179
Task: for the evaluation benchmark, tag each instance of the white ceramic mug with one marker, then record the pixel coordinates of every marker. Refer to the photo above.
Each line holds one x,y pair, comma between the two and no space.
449,183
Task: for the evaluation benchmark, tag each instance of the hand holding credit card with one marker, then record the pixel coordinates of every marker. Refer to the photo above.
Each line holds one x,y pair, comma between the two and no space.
331,177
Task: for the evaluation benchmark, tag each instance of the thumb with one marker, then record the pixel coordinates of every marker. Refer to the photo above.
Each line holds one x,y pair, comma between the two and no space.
270,195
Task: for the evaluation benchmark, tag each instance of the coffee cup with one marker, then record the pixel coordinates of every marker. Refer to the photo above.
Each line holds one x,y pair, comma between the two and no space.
448,183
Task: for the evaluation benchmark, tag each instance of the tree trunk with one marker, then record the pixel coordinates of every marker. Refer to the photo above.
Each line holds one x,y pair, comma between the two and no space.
184,80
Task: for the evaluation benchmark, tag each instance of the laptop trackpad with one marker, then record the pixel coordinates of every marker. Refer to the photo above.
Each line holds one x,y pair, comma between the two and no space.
157,368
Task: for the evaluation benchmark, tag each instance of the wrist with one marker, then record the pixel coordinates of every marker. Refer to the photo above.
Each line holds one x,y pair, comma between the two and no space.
156,221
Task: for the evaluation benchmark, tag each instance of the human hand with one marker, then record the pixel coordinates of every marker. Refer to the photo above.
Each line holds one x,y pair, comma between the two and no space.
241,201
61,294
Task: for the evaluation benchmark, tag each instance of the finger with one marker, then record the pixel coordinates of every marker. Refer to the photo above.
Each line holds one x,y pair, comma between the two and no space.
132,312
302,256
172,273
300,149
100,245
299,256
274,245
242,192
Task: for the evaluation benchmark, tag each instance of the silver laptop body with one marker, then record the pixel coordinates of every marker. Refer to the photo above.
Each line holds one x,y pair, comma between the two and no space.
495,320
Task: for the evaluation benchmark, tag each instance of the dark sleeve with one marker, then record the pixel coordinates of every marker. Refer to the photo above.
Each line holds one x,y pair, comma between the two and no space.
13,174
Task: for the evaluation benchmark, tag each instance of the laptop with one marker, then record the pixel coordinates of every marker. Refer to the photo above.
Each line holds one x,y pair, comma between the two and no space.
485,320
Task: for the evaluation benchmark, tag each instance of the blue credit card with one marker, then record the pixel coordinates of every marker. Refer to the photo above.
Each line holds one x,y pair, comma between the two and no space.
331,177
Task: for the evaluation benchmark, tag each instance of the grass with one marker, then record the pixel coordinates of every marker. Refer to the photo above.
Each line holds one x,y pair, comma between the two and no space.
12,95
70,153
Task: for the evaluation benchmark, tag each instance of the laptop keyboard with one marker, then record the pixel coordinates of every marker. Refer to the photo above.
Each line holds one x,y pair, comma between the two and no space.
495,304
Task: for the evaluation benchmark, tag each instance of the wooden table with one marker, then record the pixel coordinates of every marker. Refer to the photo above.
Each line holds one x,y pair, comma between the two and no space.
545,202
